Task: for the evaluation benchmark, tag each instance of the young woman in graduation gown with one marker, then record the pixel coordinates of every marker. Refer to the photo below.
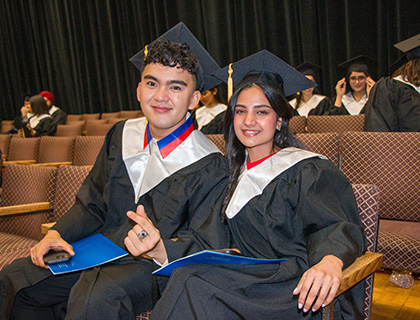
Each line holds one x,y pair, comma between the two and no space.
352,91
281,202
41,123
309,102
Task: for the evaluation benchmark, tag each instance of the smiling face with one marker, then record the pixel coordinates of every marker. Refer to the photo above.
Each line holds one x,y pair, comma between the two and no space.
255,123
165,95
357,81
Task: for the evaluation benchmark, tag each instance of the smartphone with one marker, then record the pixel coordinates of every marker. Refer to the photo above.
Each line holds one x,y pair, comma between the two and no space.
53,257
228,251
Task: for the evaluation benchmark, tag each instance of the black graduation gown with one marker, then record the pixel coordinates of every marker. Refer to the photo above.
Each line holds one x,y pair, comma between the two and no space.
393,106
215,126
58,117
180,206
322,108
44,127
305,213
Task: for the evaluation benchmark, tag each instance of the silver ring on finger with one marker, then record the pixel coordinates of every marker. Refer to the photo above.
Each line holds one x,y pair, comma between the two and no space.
142,234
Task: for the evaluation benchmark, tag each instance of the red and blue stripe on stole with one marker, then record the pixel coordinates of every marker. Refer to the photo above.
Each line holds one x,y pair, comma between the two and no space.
169,143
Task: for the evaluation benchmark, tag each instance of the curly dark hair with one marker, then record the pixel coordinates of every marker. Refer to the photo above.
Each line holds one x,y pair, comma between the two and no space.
172,54
410,71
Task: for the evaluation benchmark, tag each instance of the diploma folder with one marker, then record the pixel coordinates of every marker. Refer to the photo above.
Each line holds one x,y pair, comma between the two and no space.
89,252
211,257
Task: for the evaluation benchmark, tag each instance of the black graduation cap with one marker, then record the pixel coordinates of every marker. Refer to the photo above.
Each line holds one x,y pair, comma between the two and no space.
411,47
270,68
181,34
308,69
360,63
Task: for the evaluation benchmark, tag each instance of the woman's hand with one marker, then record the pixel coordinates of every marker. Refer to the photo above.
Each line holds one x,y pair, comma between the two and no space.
340,90
52,240
319,284
369,84
144,238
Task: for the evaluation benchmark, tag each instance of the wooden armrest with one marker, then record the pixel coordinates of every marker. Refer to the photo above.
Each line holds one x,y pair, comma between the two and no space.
363,266
53,164
46,226
19,162
24,208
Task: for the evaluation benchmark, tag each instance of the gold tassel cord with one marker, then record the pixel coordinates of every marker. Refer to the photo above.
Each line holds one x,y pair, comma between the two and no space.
145,52
230,82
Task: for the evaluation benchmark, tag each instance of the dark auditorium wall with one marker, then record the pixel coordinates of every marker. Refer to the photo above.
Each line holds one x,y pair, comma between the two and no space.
79,50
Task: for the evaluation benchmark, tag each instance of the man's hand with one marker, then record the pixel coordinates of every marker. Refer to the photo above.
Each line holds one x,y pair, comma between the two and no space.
319,284
144,238
52,240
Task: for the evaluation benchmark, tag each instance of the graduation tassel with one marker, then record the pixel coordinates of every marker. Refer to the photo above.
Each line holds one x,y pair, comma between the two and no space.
230,82
145,52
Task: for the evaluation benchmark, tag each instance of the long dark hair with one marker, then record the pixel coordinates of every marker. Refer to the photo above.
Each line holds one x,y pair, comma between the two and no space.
235,150
410,72
299,94
39,105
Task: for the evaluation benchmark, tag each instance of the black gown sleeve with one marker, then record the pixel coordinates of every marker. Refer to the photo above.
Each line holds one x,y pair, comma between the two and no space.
215,126
44,128
88,214
322,108
392,107
330,215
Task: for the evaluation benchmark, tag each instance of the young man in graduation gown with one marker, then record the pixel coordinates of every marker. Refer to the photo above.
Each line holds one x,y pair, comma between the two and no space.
161,164
58,115
394,102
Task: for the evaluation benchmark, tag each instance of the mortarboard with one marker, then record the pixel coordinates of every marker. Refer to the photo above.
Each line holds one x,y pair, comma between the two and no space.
360,63
308,69
270,68
181,34
411,47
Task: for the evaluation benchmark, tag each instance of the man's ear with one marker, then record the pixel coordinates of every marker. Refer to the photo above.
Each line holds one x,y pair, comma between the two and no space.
194,100
138,91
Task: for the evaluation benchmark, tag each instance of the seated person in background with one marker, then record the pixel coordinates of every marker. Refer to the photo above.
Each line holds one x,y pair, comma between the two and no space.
213,108
394,102
309,102
39,124
58,115
161,165
281,202
22,119
352,91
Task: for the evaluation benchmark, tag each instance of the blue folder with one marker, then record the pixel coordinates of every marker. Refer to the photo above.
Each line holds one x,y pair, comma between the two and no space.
211,257
89,252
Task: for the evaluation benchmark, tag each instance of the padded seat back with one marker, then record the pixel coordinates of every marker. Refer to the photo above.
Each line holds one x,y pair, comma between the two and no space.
69,180
23,149
23,184
297,124
335,123
327,144
86,149
391,161
56,149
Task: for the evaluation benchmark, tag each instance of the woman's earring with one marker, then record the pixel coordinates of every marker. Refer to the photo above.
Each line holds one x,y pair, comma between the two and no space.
278,128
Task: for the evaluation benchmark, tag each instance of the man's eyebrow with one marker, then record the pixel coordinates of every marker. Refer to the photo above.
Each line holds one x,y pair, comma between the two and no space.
150,77
180,82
